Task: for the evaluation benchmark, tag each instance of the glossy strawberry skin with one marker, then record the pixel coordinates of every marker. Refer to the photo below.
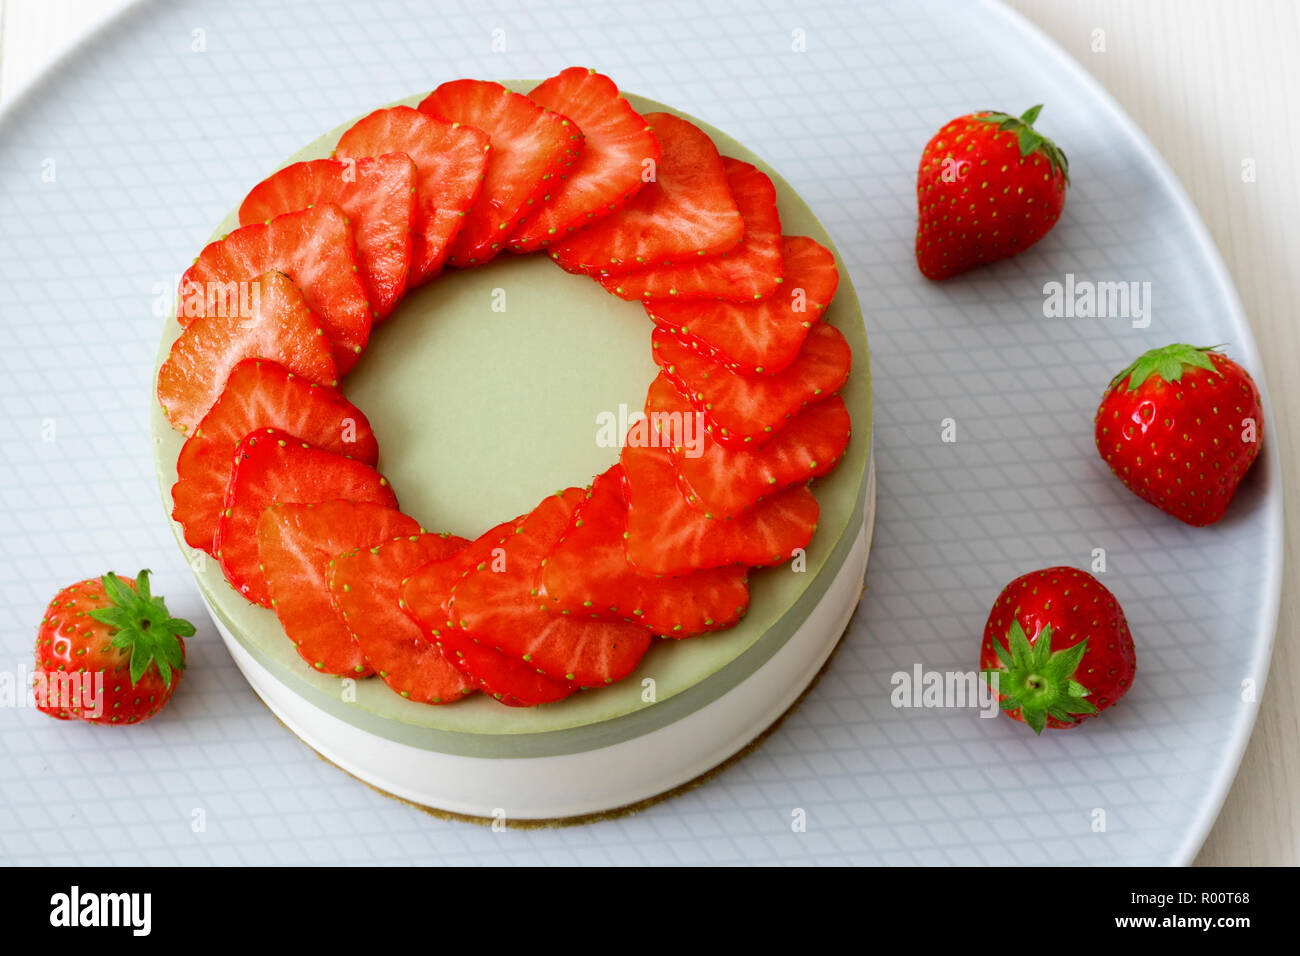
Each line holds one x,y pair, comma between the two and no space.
70,642
1183,445
1076,607
980,198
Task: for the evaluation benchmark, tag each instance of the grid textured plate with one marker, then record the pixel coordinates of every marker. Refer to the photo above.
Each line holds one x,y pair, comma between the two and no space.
114,168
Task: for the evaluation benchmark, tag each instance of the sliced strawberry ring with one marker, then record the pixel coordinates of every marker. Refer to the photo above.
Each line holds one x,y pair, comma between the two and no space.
686,212
259,394
619,147
748,273
764,337
278,326
588,575
747,409
724,480
366,588
668,535
532,148
297,545
450,161
498,604
272,467
313,247
426,598
377,193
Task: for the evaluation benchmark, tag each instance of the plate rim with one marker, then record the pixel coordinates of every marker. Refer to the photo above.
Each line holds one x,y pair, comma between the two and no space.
1261,653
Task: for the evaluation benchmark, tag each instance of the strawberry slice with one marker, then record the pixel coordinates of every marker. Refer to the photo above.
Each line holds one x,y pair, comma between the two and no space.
270,467
588,575
748,272
724,480
426,597
531,149
376,193
607,174
313,247
366,588
498,603
742,409
297,545
450,161
688,211
279,327
667,535
259,395
759,338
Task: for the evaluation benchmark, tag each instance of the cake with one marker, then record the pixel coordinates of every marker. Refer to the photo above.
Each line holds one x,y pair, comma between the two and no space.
489,394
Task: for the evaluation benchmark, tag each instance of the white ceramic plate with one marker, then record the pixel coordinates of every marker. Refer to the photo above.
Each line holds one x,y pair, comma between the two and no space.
114,168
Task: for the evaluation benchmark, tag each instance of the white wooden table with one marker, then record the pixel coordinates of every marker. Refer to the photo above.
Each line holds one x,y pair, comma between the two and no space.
1214,84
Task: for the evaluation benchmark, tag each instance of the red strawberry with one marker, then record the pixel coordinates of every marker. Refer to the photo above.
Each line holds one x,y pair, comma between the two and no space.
724,480
588,575
270,467
617,144
296,547
497,602
744,409
108,652
259,395
989,186
426,597
667,535
279,327
1060,647
1180,427
531,149
750,271
366,587
686,212
450,161
759,338
376,193
313,247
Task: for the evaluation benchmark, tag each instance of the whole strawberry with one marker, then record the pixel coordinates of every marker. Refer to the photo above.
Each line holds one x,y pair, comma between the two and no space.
989,186
108,652
1180,427
1059,646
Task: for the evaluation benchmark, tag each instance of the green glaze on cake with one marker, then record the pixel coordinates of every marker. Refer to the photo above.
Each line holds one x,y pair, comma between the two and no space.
479,414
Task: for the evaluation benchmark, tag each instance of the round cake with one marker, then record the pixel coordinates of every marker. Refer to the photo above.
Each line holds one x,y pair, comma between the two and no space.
500,399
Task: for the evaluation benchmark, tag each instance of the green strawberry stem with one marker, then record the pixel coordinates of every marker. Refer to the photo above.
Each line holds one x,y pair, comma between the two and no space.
143,626
1030,139
1168,362
1037,682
